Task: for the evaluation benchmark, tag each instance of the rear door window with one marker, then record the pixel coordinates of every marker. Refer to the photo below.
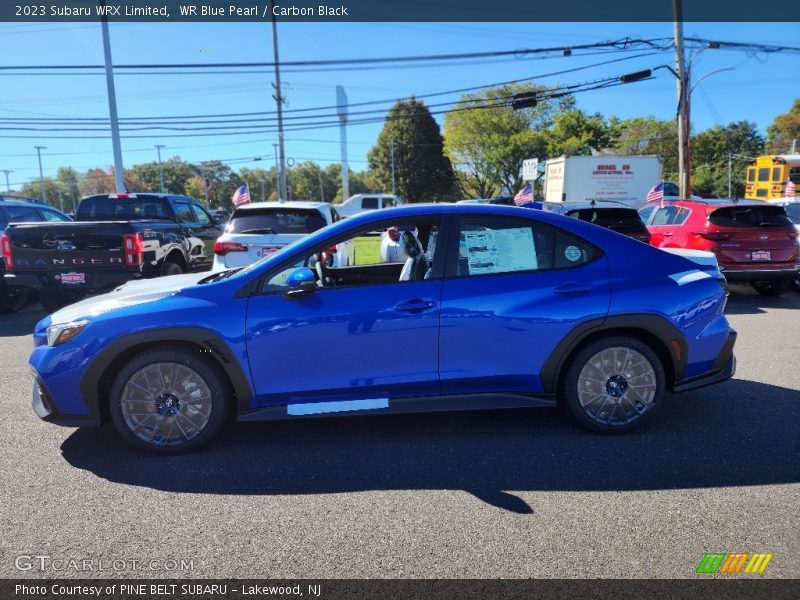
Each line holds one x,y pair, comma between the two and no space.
183,212
665,215
276,220
750,216
763,174
369,203
22,214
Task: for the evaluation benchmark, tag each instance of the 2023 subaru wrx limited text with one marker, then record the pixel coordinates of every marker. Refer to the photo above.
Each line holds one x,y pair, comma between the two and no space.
491,307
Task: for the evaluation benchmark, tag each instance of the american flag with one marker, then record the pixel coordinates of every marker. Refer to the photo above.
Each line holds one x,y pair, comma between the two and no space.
524,195
790,189
656,193
241,195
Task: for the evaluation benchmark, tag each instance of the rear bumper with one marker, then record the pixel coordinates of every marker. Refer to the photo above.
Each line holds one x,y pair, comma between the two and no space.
737,275
96,281
723,368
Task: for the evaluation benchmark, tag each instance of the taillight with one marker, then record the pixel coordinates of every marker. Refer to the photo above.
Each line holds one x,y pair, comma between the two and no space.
133,246
715,236
5,248
222,248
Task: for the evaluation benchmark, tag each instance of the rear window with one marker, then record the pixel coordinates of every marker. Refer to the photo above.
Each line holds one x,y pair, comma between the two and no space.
276,220
750,216
618,219
122,209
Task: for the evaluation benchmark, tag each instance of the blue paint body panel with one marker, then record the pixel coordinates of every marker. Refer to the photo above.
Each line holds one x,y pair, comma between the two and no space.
476,335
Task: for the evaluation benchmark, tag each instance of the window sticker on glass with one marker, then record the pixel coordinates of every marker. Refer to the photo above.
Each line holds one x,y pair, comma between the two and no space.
500,250
572,253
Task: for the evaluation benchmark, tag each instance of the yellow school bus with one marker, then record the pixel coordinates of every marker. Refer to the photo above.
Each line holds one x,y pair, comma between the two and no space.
767,176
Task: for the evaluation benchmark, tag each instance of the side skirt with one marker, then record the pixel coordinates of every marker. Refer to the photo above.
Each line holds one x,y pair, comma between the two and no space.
305,410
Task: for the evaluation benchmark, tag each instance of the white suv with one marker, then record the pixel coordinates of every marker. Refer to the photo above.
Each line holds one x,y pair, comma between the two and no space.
259,229
361,202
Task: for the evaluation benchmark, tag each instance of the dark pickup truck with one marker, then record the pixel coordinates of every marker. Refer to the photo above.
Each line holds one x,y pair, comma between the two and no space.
114,238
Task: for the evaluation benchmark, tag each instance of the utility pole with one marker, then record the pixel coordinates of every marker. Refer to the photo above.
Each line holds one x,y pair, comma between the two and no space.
321,191
41,173
8,185
160,168
684,153
341,111
60,200
279,102
277,174
119,172
391,146
730,160
205,183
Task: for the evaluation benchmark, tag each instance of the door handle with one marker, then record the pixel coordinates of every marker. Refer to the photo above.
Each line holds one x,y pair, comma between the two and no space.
668,234
573,289
415,305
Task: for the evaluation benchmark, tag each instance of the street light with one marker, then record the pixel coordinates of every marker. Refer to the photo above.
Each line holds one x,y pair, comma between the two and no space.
41,173
160,168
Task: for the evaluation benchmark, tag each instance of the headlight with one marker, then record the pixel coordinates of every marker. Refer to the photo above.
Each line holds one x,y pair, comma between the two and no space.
64,332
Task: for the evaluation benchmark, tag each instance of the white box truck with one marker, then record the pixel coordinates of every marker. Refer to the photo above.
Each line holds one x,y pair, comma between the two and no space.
625,179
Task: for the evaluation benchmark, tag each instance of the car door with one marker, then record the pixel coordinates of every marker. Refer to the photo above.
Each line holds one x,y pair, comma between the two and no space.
192,244
662,226
372,340
514,288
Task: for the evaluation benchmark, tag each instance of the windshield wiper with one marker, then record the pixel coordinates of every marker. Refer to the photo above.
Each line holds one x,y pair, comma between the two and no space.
220,275
261,230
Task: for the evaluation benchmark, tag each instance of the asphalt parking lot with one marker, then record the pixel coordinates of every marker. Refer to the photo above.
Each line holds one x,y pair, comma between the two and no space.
492,494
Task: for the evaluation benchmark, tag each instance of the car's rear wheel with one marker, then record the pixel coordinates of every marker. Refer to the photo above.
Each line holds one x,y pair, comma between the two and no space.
773,288
171,268
796,283
170,400
614,385
13,300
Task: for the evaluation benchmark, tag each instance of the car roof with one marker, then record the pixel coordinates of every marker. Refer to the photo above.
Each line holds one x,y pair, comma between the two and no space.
287,204
711,202
602,204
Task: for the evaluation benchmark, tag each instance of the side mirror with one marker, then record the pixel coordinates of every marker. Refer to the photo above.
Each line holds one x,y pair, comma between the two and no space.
301,281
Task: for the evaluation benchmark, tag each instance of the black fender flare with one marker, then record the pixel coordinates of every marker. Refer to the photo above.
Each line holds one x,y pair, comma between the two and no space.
207,340
674,345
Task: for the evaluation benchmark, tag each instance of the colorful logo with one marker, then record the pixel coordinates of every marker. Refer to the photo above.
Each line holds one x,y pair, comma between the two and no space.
732,563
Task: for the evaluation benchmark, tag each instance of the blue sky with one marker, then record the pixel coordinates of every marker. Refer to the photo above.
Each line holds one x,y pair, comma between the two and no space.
757,88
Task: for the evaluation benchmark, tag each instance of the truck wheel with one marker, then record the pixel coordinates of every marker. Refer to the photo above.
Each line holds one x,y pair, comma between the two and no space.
614,385
170,400
773,288
171,268
13,300
53,301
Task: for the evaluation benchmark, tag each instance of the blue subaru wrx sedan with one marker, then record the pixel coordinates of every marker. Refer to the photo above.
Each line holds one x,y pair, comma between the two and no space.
485,307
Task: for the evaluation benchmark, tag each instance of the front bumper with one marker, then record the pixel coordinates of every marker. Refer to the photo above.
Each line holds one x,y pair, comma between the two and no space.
47,410
722,369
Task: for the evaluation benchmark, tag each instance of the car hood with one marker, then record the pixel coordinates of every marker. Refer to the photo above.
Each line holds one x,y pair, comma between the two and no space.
128,294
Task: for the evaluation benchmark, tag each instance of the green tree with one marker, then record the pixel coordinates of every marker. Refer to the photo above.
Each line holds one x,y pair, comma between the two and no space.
309,181
710,152
575,133
488,144
176,173
260,181
647,135
422,171
784,131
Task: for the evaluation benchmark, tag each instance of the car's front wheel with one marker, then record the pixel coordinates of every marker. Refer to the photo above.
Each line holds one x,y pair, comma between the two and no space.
170,400
614,385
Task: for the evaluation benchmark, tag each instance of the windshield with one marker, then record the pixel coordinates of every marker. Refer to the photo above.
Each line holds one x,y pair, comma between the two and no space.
276,220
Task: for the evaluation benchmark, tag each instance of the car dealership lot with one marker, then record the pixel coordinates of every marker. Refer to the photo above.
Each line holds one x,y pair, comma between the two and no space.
489,494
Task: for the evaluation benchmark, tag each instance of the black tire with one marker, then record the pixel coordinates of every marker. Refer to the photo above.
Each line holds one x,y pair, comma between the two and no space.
171,268
13,300
642,400
772,289
193,365
796,283
53,301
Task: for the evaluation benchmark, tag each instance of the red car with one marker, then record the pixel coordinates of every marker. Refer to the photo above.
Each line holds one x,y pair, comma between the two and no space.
755,243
